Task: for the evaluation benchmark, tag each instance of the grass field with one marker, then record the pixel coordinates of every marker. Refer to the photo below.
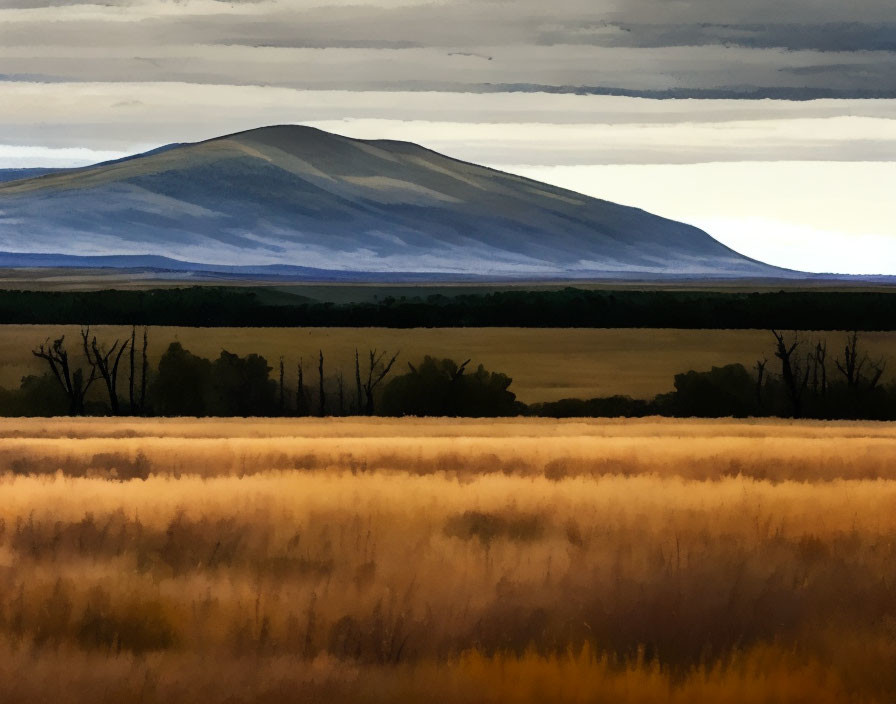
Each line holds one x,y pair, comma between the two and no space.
452,561
546,365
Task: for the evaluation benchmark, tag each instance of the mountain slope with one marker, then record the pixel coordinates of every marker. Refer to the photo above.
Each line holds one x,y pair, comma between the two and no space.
19,174
300,197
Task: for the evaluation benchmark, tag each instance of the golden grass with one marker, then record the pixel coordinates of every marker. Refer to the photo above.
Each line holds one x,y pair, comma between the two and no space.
766,675
697,449
545,365
453,561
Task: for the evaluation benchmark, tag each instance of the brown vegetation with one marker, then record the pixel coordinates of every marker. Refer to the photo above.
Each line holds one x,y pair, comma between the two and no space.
458,561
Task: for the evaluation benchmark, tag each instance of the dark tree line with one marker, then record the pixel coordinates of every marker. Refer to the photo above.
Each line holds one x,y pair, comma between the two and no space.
567,307
799,378
799,381
185,384
853,389
189,385
441,387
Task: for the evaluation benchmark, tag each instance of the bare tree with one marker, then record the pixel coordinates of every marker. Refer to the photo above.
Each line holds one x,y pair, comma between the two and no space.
132,353
282,391
820,368
760,380
854,365
105,361
851,368
795,377
320,382
358,386
71,380
144,371
376,372
459,372
301,398
340,381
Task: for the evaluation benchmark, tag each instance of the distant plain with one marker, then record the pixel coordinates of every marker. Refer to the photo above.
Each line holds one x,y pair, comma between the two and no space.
97,279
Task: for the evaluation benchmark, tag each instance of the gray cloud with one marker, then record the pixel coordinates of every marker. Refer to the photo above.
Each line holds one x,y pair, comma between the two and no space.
840,37
706,48
803,49
498,127
699,72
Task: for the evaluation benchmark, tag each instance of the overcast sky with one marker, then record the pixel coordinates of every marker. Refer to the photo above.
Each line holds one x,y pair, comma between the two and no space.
770,124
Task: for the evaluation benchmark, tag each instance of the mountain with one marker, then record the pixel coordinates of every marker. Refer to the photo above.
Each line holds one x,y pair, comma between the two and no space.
299,202
19,174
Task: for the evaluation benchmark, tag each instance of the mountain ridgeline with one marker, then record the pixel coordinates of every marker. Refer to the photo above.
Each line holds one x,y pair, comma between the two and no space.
298,202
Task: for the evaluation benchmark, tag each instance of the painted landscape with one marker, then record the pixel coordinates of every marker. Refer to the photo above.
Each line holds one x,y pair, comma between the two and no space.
399,351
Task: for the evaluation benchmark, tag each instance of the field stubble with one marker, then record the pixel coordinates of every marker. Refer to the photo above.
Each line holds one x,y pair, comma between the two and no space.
383,560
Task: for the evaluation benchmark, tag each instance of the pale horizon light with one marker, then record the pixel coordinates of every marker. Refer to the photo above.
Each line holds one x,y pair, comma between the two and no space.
14,156
823,217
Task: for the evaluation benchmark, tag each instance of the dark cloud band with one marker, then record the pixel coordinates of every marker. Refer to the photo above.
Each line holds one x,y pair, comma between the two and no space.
801,50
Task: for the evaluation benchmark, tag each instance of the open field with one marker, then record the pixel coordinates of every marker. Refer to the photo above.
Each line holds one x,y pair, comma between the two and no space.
545,364
456,561
96,279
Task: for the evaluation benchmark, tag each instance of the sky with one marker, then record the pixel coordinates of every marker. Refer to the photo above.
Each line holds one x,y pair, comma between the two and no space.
771,125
